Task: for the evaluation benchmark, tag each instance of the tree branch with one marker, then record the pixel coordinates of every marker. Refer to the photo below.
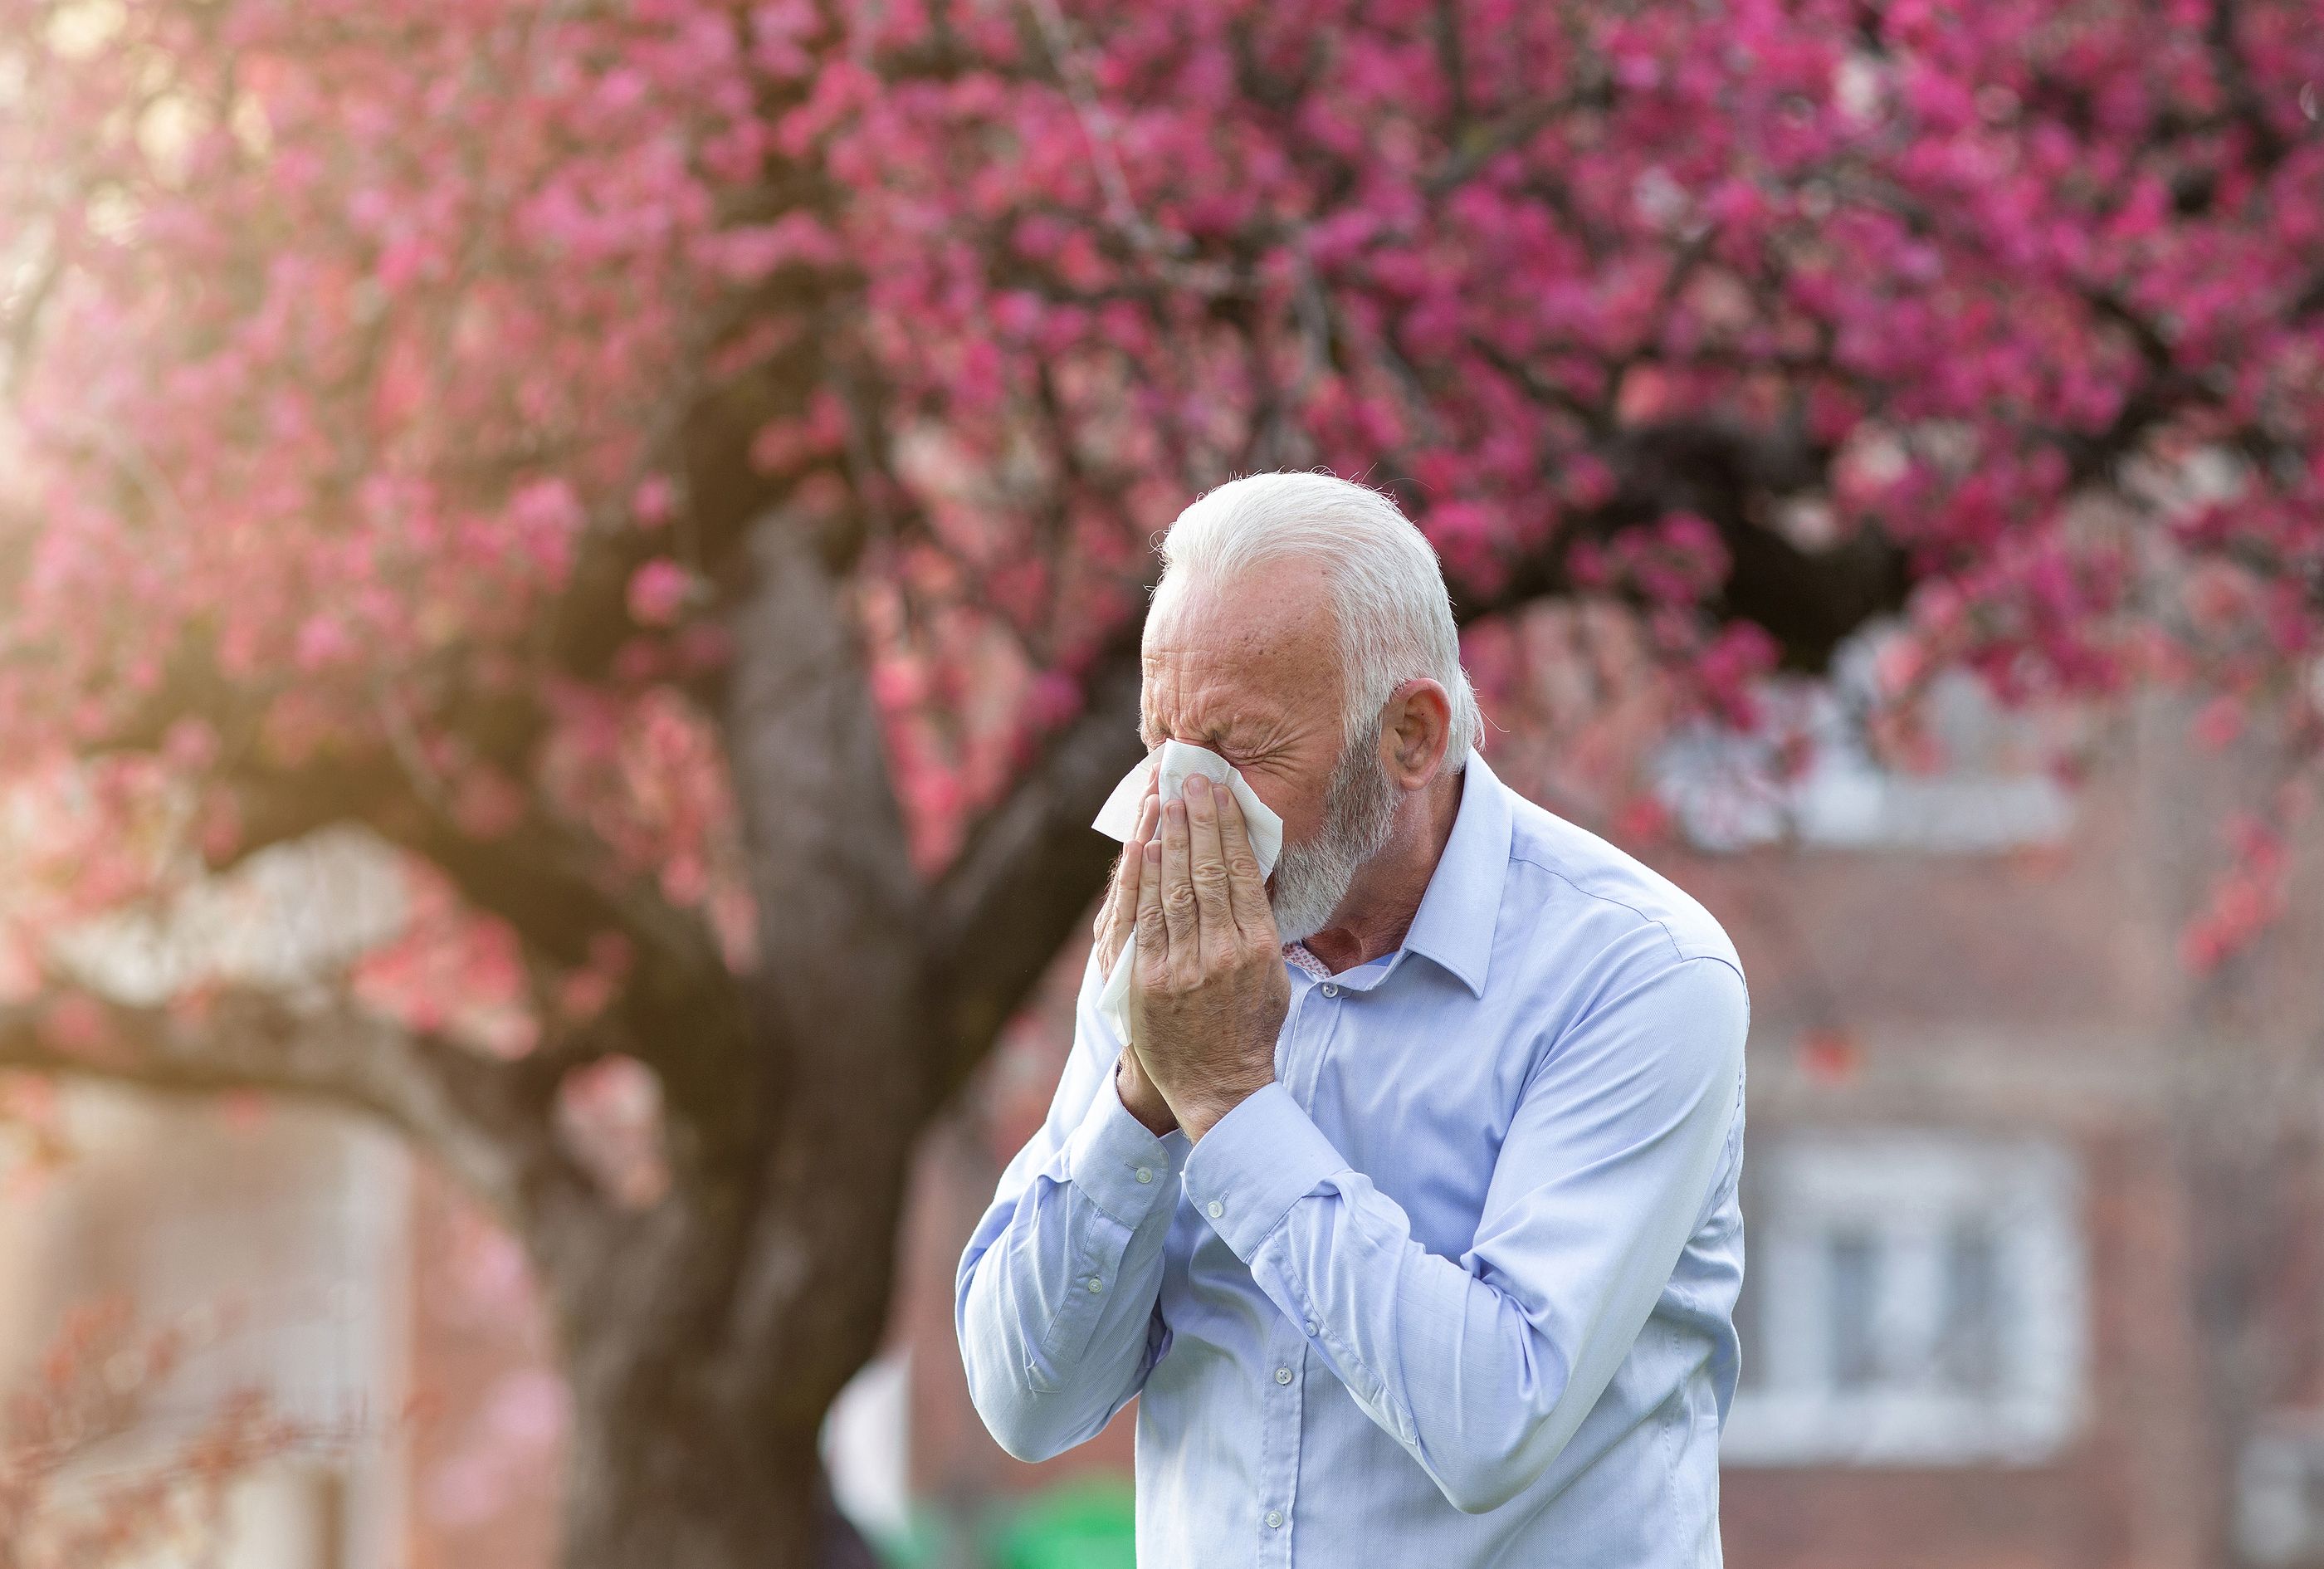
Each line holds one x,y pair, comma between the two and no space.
474,1115
1029,871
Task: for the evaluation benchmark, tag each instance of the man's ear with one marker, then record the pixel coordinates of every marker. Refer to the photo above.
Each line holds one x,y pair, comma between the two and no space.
1415,725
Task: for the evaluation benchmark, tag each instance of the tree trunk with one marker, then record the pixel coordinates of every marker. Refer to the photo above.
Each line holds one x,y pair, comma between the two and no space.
661,1479
705,1340
775,1511
654,1489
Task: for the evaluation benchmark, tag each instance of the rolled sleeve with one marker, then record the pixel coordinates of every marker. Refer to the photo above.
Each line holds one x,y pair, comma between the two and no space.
1254,1164
1119,1164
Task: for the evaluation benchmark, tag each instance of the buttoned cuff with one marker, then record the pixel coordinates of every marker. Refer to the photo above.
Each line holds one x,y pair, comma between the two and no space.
1254,1164
1117,1161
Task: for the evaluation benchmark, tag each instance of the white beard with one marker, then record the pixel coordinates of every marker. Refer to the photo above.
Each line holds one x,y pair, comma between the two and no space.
1312,876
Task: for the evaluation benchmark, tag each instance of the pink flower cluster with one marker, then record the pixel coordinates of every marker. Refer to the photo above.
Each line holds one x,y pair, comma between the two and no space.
351,328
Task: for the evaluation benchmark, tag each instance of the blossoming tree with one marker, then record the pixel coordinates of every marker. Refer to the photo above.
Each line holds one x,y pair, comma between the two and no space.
681,473
92,1386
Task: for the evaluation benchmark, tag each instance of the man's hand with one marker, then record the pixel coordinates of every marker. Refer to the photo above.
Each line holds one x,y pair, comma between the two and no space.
1210,993
1117,917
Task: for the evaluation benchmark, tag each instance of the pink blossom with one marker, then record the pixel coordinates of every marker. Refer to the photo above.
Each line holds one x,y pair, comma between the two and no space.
658,591
382,410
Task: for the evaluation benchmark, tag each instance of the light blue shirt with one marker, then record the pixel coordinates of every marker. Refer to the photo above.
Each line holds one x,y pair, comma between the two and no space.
1457,1289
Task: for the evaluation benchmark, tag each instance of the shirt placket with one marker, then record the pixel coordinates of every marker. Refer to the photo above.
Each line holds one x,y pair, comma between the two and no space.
1282,1399
1283,1366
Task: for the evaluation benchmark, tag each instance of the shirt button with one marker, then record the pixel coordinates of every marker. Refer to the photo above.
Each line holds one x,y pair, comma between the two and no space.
1313,1327
1275,1520
1095,1284
1145,1173
1214,1209
1330,990
1283,1375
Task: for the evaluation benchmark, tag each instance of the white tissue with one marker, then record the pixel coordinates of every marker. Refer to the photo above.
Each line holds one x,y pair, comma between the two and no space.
1118,820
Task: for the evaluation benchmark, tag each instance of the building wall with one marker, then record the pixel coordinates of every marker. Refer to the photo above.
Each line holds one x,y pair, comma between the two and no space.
266,1244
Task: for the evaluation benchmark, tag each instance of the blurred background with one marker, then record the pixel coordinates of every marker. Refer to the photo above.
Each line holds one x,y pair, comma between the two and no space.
570,574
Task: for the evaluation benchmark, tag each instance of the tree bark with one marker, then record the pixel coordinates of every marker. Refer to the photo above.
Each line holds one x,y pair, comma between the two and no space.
681,1460
707,1338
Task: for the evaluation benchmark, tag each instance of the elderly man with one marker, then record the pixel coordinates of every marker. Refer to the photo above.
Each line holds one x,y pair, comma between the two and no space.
1408,1207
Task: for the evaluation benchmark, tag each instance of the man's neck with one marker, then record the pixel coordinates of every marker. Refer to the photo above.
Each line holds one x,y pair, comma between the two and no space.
1386,894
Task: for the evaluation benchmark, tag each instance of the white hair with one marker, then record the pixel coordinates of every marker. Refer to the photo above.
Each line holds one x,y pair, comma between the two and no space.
1387,590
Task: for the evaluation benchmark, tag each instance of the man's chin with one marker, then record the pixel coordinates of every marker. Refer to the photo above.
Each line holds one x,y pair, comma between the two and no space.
1296,931
1298,925
1286,930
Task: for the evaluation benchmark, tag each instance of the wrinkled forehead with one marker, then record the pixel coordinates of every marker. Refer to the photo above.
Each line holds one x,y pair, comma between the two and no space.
1252,653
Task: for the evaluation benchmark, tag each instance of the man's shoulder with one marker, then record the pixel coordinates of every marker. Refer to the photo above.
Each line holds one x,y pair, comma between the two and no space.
1584,896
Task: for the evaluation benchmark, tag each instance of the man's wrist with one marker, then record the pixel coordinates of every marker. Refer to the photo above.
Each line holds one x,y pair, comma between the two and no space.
1139,1098
1202,1108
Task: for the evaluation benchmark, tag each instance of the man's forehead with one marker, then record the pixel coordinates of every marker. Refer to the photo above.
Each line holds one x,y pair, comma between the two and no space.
1287,611
1197,695
1219,661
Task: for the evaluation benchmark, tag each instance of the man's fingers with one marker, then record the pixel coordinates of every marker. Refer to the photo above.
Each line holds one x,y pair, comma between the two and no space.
1121,889
1246,884
1119,916
1213,910
1153,935
1127,880
1150,824
1177,886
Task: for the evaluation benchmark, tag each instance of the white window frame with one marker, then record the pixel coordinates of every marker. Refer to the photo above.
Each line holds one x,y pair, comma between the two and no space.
1733,790
2279,1485
1911,1190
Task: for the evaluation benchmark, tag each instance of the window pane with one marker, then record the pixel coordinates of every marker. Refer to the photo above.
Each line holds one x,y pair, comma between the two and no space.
1969,1337
1853,1262
1921,1300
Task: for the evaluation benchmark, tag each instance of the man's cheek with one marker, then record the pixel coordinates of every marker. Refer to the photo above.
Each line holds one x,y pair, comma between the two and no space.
1301,815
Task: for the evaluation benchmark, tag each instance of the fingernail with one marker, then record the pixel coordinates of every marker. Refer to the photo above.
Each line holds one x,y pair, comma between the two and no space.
1198,785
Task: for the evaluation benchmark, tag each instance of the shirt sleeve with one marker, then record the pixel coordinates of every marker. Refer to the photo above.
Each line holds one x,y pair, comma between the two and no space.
1055,1301
1483,1367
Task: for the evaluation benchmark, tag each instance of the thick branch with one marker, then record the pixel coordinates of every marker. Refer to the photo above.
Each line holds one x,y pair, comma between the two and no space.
470,1113
1029,871
540,877
830,1090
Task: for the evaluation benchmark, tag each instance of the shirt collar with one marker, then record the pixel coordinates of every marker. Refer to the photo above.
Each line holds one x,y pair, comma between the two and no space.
1462,904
